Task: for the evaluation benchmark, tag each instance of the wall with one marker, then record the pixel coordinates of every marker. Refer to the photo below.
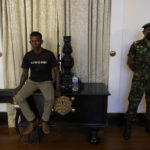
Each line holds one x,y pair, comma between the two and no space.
2,106
128,17
116,28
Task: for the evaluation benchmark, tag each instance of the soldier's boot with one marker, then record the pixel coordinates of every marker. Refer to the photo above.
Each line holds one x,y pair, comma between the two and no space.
147,129
127,130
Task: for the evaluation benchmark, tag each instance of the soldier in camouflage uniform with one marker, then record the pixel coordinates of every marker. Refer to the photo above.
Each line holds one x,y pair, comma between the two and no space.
139,63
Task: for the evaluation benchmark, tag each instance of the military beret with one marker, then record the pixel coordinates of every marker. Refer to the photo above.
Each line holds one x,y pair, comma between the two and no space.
146,26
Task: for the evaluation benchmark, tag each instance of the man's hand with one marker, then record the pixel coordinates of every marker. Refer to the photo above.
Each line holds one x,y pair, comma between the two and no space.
17,90
57,77
130,63
24,77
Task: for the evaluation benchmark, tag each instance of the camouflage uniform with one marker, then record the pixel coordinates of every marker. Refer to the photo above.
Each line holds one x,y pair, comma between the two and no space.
140,52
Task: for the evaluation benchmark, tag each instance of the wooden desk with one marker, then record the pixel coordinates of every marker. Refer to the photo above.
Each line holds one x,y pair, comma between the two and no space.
90,105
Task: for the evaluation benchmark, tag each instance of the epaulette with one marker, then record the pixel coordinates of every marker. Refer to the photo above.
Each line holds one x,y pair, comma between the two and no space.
138,42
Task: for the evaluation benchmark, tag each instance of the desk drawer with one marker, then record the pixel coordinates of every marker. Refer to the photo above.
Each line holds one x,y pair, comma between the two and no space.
88,109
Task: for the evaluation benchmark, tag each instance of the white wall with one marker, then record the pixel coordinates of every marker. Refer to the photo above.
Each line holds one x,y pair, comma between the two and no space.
117,8
2,106
128,17
1,67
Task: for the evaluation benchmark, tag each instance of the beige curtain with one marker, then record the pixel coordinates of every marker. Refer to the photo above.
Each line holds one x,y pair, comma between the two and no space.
19,19
88,23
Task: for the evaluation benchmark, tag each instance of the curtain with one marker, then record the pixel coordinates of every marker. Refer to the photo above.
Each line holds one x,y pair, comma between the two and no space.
19,19
88,23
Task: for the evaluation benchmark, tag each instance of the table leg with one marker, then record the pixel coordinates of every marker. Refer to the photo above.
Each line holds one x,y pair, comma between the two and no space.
18,112
93,137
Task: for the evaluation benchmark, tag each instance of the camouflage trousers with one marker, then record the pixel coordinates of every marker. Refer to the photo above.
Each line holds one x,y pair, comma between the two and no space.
140,85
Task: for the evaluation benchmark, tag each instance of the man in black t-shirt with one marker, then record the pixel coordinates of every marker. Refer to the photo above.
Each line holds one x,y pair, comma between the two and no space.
41,62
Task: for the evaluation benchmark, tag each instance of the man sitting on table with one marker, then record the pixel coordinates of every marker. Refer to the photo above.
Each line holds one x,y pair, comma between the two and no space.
41,62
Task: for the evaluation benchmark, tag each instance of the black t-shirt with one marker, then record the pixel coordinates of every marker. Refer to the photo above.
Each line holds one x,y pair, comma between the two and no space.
40,65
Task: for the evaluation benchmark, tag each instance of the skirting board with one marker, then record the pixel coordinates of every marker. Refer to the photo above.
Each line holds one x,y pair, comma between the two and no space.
117,119
113,119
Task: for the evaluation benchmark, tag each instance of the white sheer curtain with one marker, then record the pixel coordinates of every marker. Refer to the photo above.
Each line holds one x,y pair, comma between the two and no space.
88,23
19,19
